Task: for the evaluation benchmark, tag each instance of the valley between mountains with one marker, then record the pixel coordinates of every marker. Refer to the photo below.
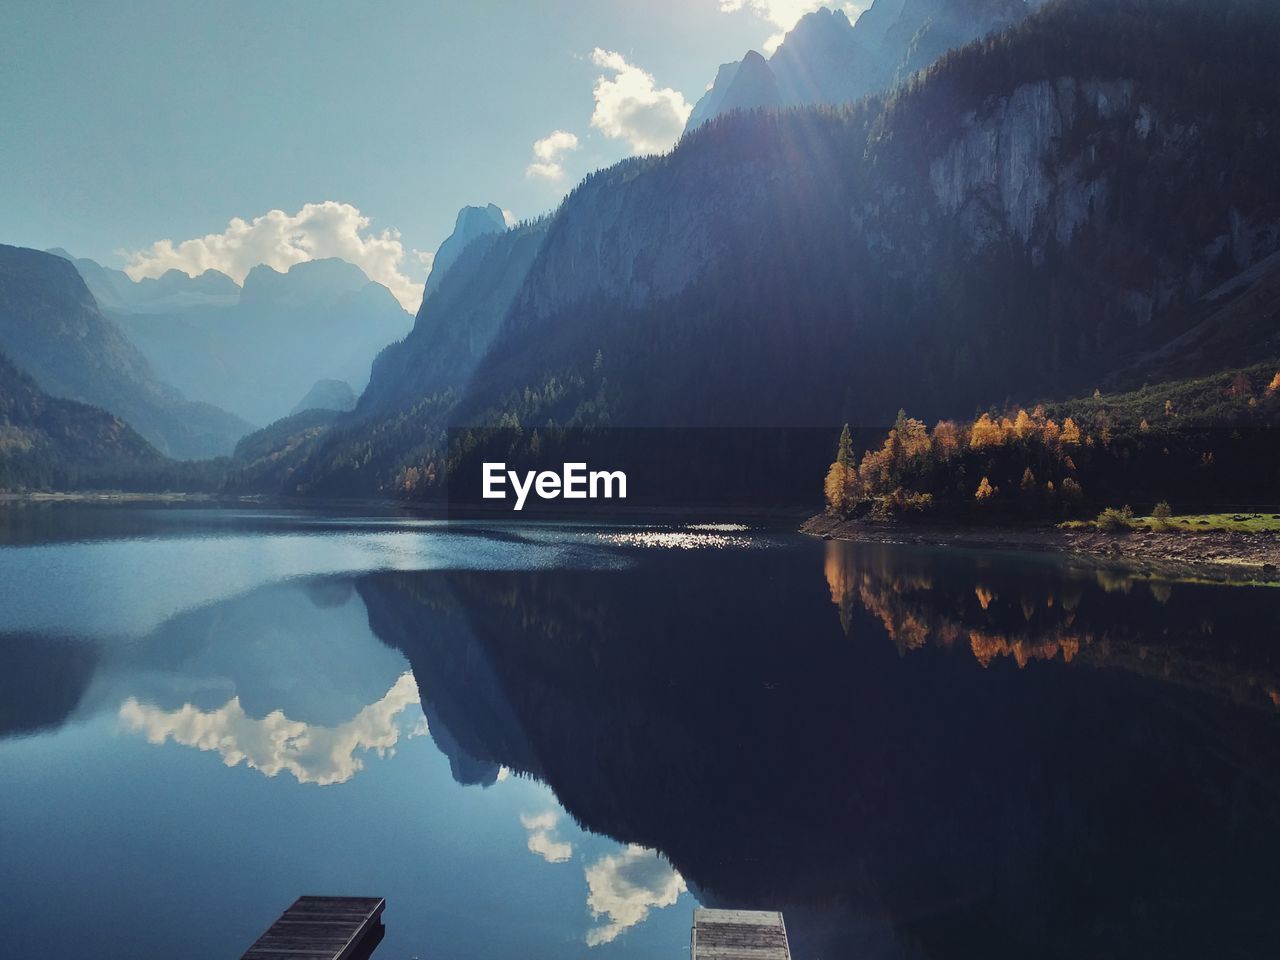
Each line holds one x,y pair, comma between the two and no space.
951,209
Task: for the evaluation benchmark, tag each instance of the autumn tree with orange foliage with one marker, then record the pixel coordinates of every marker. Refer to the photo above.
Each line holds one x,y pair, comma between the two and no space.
1156,443
842,487
984,433
915,466
947,440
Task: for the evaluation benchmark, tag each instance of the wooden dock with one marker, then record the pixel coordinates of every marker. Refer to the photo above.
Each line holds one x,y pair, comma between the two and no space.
739,935
323,928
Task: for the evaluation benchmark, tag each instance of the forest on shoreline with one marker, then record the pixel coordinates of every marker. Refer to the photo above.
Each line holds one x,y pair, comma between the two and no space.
1199,444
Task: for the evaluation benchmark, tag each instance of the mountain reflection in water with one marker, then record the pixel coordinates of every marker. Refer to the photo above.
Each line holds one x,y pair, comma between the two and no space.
912,752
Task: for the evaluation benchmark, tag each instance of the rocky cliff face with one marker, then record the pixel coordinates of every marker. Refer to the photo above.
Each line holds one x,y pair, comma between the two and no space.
1007,170
472,222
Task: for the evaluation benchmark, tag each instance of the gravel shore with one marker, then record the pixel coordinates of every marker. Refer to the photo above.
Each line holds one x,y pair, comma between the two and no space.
1226,556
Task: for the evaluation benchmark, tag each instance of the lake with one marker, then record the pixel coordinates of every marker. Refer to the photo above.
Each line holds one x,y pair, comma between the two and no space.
553,741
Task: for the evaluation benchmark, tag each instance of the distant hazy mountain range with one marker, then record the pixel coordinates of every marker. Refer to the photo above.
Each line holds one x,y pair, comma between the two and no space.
257,350
327,395
286,349
116,291
52,329
825,59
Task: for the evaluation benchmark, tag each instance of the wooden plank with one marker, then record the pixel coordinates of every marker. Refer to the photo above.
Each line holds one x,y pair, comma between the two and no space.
739,935
322,928
754,917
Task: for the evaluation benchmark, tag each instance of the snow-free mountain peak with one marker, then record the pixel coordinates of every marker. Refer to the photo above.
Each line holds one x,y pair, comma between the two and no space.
471,222
306,282
826,59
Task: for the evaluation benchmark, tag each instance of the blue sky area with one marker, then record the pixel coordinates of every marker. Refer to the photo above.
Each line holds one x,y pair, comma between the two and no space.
129,123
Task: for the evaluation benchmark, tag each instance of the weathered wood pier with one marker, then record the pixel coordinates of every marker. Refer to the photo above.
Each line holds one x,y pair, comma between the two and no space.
349,928
739,935
323,928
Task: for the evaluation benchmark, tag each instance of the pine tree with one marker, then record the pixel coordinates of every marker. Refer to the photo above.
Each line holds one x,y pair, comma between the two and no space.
844,453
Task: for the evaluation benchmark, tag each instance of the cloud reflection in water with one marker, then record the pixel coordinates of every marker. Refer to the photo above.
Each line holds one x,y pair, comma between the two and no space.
542,839
310,752
625,886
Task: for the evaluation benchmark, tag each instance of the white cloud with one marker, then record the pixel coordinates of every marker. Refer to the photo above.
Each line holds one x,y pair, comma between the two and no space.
630,107
783,14
311,753
279,239
625,886
547,156
542,840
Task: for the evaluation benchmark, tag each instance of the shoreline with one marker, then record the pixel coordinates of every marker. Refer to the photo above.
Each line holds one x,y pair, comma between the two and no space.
1222,556
1236,557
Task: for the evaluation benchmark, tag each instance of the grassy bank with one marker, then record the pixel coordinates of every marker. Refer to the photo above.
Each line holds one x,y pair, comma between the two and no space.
1265,522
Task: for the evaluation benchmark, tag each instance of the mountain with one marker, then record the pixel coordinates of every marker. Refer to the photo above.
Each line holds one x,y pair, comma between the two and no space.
255,351
48,443
457,321
745,84
51,327
307,284
471,222
1028,220
826,60
636,719
115,290
327,395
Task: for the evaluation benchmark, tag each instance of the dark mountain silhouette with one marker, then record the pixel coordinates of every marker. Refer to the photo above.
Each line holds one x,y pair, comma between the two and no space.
944,761
51,327
1028,220
458,321
42,681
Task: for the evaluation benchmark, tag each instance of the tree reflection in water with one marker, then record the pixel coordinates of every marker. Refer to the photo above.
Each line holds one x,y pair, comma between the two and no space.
970,754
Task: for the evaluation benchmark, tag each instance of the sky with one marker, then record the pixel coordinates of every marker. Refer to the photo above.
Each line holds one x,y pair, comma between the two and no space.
153,134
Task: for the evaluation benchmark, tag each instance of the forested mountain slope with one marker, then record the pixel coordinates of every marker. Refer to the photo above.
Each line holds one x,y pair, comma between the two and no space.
1034,214
51,327
47,443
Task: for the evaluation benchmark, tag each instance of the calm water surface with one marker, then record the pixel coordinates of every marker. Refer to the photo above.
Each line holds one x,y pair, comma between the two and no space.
550,742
